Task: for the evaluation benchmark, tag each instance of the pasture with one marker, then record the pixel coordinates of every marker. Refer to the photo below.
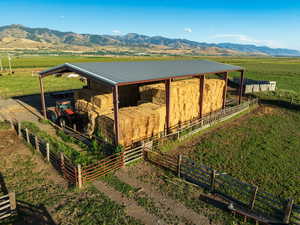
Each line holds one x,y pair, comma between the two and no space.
260,148
285,71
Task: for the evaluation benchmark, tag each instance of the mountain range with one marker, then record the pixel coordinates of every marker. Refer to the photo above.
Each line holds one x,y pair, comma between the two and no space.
20,37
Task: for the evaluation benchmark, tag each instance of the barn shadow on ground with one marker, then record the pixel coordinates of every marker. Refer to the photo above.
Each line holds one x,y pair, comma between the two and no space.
3,188
32,215
280,103
35,100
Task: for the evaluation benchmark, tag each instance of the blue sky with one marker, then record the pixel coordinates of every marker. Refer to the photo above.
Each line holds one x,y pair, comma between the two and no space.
271,23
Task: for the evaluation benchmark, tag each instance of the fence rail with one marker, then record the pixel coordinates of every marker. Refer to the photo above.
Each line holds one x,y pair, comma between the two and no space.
183,130
57,159
78,175
7,205
246,197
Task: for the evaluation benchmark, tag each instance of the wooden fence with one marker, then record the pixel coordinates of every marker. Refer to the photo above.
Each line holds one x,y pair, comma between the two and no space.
7,205
78,174
191,127
245,197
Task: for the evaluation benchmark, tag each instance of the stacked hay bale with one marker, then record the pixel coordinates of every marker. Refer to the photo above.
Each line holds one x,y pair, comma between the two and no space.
135,123
149,117
185,96
213,95
93,103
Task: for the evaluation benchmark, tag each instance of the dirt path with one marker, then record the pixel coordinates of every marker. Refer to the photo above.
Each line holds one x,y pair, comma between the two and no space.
168,206
131,207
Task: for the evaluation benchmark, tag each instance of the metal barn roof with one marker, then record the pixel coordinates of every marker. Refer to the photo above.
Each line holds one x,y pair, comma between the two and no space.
122,73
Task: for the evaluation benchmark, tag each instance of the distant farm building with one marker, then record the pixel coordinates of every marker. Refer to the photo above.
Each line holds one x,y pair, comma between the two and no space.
128,102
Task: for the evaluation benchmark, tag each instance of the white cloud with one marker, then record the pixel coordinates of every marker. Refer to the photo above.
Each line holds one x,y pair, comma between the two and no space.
62,17
241,38
188,30
117,32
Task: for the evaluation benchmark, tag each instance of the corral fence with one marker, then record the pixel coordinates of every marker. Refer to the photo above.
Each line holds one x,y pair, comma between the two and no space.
77,174
189,128
247,198
7,205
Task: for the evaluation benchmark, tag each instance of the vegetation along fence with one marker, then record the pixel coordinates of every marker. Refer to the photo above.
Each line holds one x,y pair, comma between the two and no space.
183,130
78,174
248,199
7,205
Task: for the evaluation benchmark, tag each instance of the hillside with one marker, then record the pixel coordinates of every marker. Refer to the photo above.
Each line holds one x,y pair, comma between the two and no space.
21,37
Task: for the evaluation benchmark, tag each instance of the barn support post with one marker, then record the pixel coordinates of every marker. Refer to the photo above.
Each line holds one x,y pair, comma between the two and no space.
201,100
116,114
43,98
225,89
241,86
168,102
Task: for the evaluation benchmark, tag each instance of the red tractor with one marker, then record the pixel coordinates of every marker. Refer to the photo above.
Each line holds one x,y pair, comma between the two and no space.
63,113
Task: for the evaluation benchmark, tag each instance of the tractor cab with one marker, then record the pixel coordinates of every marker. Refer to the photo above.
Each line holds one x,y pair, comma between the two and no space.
64,107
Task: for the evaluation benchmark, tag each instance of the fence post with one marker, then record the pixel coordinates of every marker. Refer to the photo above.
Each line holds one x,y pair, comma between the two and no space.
74,127
179,165
36,142
62,163
212,180
123,158
288,211
27,136
48,151
251,205
11,124
12,200
19,129
79,174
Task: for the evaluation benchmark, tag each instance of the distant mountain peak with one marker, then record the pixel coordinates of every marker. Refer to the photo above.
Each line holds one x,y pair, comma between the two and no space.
69,40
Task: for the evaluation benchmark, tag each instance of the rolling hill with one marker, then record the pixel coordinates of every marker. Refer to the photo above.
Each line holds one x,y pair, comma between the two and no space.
20,37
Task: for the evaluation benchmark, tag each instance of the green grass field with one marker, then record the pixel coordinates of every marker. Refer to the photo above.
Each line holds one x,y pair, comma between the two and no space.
285,71
261,150
41,194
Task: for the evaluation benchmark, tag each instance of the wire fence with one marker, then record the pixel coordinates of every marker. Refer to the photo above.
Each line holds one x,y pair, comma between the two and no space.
247,199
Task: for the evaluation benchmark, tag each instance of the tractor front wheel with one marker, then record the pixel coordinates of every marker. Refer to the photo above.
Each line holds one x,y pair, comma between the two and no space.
62,122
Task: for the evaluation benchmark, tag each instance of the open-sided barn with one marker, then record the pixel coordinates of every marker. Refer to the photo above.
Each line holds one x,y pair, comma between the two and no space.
130,101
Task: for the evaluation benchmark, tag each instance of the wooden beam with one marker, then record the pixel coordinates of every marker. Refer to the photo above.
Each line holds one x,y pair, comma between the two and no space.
241,86
225,89
116,114
168,102
43,105
201,100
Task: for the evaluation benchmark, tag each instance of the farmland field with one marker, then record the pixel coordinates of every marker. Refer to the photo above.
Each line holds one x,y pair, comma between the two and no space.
285,71
261,148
